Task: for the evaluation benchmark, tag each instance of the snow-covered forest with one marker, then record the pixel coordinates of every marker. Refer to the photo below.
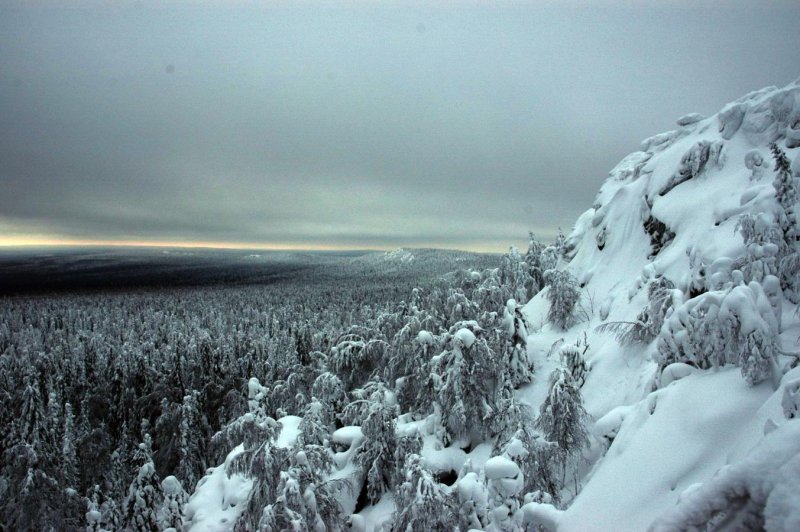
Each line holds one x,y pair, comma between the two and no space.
639,373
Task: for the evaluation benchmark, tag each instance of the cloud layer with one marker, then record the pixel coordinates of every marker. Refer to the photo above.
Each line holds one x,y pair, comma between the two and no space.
347,125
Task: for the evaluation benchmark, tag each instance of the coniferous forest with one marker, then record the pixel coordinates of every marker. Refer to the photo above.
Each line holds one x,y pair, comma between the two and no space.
391,266
118,400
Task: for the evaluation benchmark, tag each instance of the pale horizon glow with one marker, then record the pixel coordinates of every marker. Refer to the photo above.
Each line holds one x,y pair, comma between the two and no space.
35,242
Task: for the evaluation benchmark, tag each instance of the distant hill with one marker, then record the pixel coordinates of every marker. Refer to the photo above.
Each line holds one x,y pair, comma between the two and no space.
56,269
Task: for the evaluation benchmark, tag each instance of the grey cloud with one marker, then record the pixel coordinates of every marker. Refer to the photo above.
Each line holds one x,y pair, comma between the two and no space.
350,125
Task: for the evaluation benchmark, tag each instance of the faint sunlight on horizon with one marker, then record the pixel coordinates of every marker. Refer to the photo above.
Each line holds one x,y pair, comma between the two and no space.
40,242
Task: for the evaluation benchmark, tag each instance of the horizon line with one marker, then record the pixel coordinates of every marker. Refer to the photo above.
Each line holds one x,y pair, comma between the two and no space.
49,242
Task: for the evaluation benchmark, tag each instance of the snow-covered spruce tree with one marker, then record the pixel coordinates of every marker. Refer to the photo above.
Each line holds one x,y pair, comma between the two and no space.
405,445
193,429
30,478
562,419
732,326
515,332
354,357
363,400
471,499
33,499
468,381
31,425
533,258
786,193
69,459
102,512
459,307
421,503
144,494
304,344
329,391
303,503
572,359
390,322
788,218
401,361
563,294
538,460
490,294
763,241
260,462
505,481
559,245
53,421
170,514
515,276
313,437
375,457
413,386
118,477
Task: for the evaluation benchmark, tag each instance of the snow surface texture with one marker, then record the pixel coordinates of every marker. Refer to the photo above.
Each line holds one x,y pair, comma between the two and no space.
693,435
214,506
674,445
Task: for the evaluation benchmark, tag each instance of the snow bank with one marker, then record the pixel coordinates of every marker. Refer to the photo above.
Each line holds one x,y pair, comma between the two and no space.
215,504
759,491
290,430
500,467
465,337
672,439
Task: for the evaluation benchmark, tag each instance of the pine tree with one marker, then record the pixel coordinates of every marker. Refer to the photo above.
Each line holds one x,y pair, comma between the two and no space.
313,437
421,503
572,358
505,481
788,218
304,502
375,457
538,460
31,426
515,333
170,514
33,499
562,417
563,295
533,258
69,460
469,381
193,431
144,494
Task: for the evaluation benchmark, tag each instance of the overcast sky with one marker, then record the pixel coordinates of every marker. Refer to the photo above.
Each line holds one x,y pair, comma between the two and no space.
350,125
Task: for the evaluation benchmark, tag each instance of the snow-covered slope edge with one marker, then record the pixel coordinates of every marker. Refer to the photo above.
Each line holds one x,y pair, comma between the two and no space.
668,223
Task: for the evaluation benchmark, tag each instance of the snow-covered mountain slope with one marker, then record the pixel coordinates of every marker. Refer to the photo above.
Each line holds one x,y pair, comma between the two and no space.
670,211
686,278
